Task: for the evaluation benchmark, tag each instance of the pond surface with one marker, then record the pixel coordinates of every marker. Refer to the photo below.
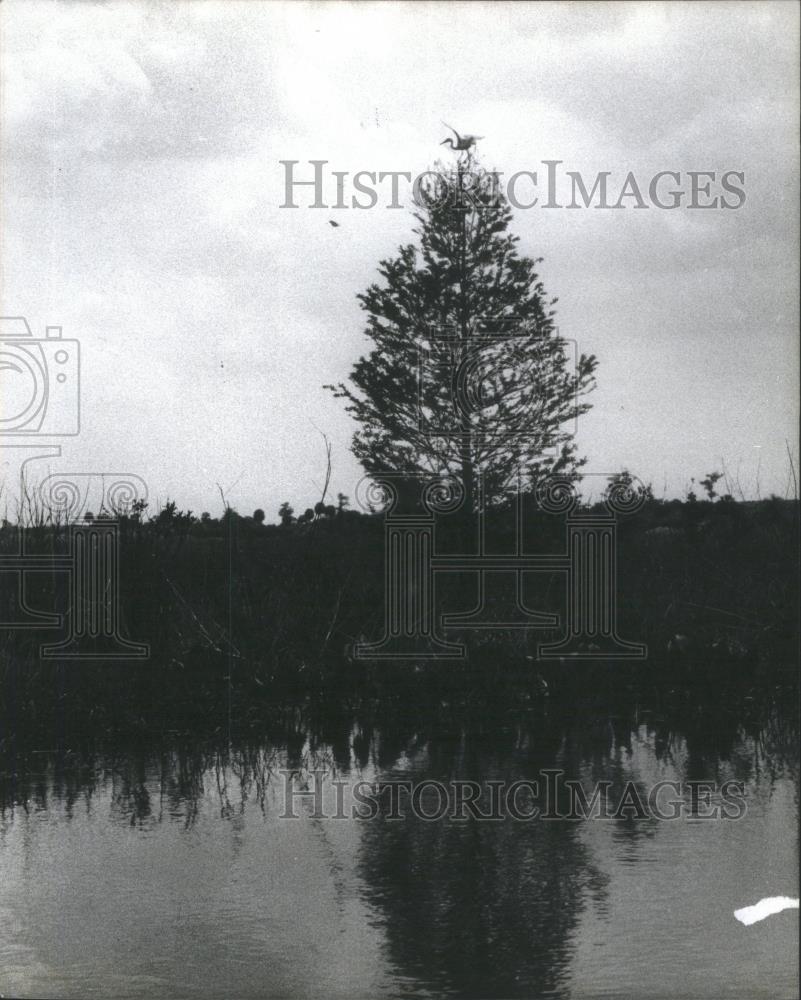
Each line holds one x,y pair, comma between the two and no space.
170,872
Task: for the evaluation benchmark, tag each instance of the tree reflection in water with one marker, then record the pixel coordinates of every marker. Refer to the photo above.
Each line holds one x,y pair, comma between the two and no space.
469,908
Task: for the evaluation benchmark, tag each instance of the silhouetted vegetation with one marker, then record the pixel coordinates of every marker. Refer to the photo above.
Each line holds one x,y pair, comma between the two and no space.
467,372
241,613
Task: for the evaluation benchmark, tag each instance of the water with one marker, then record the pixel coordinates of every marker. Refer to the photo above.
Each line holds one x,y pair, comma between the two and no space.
140,872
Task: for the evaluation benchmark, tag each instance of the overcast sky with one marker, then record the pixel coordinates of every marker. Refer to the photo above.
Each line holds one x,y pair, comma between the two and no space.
140,208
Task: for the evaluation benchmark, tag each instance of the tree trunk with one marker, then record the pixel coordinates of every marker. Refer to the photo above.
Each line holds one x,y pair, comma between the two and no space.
466,442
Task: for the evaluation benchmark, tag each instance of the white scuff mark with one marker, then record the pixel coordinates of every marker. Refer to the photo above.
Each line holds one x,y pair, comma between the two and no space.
765,908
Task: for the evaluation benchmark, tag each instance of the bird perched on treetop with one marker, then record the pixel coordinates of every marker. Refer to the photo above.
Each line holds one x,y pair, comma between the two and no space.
462,141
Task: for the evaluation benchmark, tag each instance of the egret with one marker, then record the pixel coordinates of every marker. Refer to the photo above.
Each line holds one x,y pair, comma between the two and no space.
462,141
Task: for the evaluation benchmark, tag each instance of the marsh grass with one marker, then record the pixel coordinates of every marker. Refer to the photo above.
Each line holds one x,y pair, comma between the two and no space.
240,615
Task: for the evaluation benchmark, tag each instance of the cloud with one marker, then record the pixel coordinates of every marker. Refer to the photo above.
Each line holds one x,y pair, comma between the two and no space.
142,192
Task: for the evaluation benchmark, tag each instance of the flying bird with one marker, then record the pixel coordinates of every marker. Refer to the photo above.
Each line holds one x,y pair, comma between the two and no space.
334,224
462,141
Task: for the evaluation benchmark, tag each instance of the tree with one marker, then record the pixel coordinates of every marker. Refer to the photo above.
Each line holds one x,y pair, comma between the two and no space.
625,479
467,374
710,482
258,515
307,516
286,512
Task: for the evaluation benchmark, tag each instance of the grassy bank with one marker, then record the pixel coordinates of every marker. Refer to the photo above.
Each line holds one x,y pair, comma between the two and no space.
272,611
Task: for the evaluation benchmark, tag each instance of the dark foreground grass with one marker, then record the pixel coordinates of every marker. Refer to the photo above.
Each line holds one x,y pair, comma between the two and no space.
240,616
85,720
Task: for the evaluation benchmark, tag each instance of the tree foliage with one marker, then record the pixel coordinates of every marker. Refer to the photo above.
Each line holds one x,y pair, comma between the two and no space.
467,373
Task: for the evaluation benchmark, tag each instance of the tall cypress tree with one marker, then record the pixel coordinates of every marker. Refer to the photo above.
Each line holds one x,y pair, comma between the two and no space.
468,374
